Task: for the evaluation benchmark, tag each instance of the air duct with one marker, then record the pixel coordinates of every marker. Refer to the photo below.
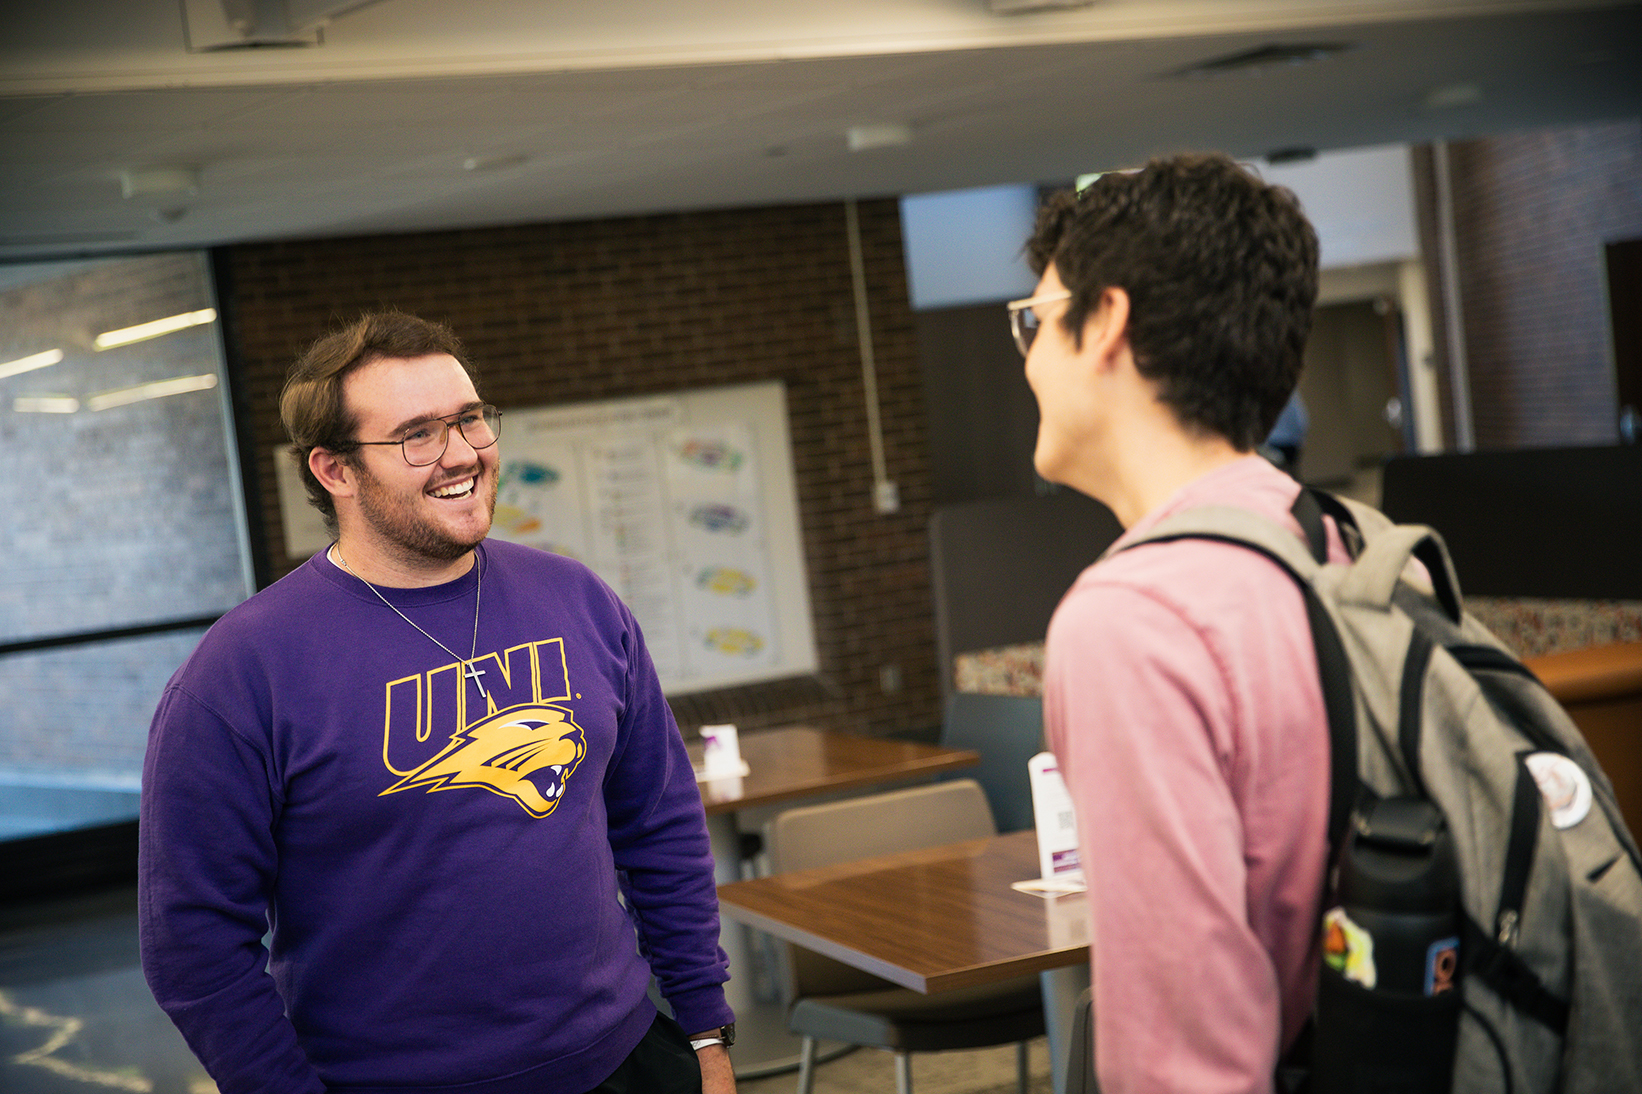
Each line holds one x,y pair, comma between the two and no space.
214,25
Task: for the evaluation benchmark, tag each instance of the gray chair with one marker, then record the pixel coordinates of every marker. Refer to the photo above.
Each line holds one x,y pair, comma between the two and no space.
1080,1050
835,1002
1007,730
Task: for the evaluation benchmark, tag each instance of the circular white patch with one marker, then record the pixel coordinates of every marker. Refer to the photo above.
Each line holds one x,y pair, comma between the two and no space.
1565,786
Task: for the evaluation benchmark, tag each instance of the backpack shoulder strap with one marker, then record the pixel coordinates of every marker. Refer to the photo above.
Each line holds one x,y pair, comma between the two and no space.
1350,517
1242,527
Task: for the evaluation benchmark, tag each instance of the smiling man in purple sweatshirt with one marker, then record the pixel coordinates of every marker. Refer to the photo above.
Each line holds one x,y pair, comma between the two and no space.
439,774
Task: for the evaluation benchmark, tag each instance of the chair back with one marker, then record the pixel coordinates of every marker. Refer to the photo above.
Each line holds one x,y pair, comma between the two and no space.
857,828
1080,1059
1007,730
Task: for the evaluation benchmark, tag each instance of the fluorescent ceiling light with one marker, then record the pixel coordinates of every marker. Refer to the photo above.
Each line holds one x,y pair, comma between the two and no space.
1083,182
144,331
163,181
884,135
1453,95
159,389
45,404
498,162
29,364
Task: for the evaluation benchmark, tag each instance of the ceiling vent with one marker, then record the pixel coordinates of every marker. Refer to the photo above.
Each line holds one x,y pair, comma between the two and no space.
1261,59
1024,7
1277,157
216,25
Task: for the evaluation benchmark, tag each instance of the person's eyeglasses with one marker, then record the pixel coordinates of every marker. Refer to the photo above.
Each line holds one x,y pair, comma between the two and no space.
1023,321
424,442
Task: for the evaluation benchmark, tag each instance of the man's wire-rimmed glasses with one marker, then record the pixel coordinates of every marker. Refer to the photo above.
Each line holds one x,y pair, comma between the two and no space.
1023,321
425,442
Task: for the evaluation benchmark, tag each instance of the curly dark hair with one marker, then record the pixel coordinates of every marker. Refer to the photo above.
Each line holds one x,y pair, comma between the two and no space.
311,405
1221,273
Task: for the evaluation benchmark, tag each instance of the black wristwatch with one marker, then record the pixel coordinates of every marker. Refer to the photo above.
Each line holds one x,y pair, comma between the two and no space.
725,1037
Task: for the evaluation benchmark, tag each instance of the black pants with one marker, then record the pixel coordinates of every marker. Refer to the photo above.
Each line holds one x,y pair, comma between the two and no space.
663,1063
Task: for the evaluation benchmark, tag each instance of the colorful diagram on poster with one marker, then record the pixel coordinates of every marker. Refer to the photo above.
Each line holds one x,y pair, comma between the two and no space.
685,506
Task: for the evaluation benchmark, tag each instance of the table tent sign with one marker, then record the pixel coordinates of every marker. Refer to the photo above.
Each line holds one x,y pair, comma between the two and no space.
1058,864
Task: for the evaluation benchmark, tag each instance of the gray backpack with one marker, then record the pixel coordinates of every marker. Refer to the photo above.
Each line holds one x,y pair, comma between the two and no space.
1483,919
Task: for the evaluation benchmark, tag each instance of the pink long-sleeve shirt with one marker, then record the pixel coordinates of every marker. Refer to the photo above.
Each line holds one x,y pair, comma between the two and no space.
1182,701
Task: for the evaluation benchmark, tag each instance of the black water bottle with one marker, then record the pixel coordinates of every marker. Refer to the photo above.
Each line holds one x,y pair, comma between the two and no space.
1388,1004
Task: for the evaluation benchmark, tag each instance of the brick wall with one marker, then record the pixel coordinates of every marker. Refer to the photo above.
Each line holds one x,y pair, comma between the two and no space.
557,313
1532,214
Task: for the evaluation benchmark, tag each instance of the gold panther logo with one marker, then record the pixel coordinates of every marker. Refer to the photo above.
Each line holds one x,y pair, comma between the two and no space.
527,754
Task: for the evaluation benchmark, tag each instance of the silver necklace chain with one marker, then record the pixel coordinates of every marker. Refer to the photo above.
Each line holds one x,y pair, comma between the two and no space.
470,670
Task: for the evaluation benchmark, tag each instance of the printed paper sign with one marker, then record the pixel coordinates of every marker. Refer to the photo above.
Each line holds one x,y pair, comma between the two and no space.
1057,825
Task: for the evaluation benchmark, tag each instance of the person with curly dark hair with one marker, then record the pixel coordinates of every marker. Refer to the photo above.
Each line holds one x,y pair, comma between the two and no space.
1181,694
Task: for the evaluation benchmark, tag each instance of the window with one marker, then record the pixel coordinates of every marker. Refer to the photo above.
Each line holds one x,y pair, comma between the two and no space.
125,532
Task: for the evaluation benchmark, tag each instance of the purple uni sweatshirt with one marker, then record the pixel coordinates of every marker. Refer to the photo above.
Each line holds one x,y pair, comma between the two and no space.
465,893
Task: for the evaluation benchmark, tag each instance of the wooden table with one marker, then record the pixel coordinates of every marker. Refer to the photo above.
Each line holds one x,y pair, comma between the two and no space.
790,765
801,762
933,920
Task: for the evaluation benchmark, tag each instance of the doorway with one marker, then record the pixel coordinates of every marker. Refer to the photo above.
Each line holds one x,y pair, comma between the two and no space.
1353,391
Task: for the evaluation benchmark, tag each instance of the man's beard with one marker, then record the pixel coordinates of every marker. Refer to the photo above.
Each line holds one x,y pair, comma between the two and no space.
404,527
